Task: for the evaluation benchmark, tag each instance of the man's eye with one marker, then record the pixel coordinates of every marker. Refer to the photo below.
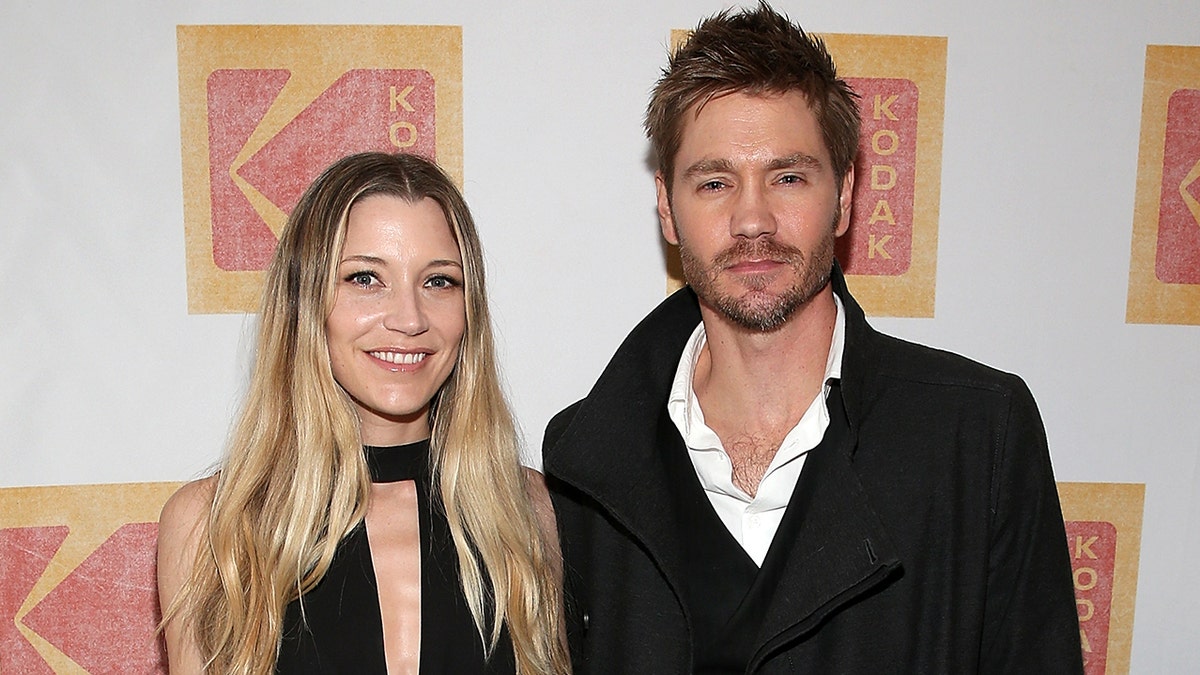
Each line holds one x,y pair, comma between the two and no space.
712,185
791,178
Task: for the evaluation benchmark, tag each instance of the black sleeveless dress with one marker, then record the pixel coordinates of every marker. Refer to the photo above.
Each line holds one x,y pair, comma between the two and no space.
336,627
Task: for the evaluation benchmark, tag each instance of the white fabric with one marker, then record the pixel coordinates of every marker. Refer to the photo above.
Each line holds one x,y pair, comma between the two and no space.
751,520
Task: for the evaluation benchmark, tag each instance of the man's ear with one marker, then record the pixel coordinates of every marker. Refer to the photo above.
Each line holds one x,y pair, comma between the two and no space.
665,220
845,200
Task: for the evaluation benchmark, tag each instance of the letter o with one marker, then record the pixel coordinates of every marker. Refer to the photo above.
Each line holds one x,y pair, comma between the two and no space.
893,144
1093,578
395,137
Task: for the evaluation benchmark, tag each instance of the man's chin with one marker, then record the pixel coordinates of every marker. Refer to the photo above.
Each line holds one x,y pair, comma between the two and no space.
756,312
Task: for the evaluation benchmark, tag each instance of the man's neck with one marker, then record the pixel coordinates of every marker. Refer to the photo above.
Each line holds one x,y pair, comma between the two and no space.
754,387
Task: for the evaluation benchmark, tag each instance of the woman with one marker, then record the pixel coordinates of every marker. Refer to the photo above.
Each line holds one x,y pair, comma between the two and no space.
370,513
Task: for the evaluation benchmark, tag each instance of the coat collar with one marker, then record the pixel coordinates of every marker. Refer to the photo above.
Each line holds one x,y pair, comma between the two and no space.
624,404
611,450
860,355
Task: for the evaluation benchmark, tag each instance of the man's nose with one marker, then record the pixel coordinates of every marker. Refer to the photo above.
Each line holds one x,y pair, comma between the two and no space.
752,214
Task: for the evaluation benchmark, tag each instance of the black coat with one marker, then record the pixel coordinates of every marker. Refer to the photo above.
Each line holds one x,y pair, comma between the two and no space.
935,543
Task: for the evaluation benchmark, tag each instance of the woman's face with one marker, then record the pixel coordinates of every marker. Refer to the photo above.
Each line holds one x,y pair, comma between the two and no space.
399,315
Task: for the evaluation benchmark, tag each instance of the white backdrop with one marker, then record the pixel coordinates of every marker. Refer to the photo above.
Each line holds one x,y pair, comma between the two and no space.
106,378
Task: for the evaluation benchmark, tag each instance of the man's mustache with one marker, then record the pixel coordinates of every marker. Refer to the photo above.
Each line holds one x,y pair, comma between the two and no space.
758,249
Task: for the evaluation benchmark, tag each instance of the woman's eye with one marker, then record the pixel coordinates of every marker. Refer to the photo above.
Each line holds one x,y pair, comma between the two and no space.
441,281
361,278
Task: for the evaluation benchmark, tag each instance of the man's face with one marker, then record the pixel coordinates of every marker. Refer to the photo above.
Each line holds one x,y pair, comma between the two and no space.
754,207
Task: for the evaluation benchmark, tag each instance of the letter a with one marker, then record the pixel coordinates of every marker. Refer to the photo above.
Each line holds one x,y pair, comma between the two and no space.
882,212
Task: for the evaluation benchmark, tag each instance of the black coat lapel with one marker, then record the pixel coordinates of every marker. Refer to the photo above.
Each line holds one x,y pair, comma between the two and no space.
837,550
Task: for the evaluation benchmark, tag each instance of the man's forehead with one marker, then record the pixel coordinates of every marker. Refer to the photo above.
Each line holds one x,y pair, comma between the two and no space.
694,110
785,133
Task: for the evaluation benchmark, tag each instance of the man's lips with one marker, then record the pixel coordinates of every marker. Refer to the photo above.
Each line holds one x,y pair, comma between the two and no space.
757,257
755,266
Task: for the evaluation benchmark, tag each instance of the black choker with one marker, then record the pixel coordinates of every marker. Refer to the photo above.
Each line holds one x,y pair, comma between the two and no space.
398,462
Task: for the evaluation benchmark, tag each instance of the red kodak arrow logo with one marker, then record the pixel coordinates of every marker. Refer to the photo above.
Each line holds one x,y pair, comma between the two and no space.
364,109
1178,256
25,553
103,615
879,241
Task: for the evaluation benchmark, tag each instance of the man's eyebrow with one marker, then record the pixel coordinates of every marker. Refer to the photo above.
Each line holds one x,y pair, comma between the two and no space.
798,160
705,166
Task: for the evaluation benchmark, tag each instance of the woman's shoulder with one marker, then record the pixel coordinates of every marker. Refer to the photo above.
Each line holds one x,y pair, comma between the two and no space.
189,505
182,522
180,533
543,512
539,495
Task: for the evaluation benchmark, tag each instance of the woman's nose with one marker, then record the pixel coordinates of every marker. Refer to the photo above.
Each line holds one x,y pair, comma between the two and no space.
405,313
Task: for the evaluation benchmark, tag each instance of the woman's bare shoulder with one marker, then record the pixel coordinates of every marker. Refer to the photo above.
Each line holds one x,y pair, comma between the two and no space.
189,506
543,508
539,495
181,528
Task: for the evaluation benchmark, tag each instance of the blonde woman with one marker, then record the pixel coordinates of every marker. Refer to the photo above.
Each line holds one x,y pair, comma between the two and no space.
370,514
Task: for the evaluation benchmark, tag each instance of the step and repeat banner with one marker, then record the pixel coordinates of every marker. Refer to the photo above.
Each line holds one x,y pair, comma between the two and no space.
1164,278
264,109
79,575
128,327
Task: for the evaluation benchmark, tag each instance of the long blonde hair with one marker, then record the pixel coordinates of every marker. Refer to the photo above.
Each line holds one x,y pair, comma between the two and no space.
294,481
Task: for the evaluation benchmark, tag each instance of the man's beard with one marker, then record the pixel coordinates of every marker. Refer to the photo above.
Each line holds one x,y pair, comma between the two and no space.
755,309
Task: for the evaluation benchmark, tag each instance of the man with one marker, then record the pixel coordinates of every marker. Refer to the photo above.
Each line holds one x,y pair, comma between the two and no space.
760,482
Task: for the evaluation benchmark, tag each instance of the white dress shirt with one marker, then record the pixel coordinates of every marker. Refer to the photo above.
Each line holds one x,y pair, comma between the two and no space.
751,520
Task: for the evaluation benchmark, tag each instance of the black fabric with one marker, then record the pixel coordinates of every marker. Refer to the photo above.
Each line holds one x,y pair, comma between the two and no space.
934,541
726,640
336,627
718,572
397,463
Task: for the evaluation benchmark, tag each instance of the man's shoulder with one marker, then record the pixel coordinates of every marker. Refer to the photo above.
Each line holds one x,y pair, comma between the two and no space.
670,322
640,370
872,354
902,360
559,423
